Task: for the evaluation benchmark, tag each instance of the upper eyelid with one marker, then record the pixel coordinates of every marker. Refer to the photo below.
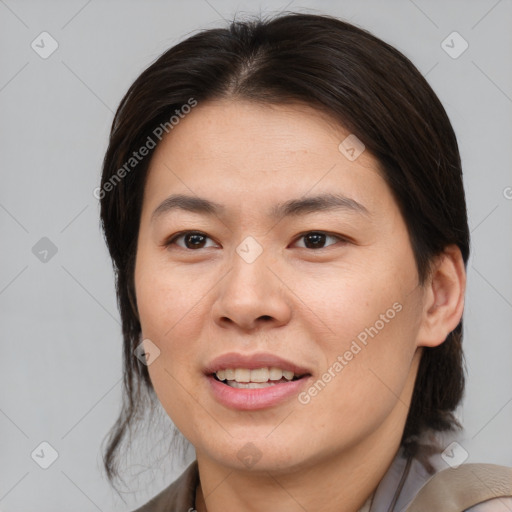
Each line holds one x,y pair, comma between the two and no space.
328,233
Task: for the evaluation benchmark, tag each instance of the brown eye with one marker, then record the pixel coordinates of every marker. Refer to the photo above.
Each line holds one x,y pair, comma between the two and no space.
195,241
191,240
317,240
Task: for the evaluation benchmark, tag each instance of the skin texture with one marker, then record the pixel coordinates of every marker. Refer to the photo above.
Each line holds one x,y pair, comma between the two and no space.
304,304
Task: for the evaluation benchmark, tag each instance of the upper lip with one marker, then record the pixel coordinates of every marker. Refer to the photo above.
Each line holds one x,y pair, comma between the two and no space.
252,362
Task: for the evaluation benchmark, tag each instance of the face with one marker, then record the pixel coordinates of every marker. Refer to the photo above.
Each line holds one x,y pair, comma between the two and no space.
297,251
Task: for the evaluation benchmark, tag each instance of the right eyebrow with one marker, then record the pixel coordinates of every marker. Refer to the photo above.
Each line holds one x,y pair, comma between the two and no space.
188,203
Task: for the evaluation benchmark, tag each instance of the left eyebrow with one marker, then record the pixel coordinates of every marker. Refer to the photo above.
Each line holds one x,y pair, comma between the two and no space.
321,202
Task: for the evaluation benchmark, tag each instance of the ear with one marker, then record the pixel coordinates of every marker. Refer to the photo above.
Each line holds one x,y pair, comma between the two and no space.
443,302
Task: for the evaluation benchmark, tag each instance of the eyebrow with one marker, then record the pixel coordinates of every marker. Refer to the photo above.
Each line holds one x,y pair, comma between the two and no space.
293,207
187,203
322,202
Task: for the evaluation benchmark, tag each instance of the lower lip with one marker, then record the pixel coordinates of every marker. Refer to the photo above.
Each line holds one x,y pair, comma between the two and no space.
251,399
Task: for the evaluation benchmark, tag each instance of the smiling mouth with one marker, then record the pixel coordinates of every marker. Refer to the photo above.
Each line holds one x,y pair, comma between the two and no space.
244,380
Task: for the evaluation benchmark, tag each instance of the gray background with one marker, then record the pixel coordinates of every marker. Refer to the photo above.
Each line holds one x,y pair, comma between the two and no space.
60,370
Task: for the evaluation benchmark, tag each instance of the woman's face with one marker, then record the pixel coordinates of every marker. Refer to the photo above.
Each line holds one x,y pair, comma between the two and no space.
298,251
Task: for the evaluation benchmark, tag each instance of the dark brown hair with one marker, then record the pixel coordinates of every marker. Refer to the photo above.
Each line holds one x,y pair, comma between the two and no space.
365,85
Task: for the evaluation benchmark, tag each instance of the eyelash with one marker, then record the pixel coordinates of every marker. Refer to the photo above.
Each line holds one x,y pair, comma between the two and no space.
172,240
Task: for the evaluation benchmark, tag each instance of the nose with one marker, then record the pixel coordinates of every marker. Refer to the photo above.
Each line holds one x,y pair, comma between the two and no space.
252,296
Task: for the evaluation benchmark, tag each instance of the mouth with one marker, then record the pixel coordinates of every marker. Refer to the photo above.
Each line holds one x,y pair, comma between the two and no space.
259,378
254,381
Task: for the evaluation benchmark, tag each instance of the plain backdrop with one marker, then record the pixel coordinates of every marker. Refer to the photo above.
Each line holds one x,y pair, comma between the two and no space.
60,370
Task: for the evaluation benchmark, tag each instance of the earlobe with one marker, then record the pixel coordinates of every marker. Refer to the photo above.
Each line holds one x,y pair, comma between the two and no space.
443,299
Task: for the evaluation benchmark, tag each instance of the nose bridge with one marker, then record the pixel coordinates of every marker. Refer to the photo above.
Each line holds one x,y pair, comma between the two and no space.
249,276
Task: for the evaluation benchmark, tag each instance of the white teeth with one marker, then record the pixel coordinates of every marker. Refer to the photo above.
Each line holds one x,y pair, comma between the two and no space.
288,375
259,375
275,373
242,375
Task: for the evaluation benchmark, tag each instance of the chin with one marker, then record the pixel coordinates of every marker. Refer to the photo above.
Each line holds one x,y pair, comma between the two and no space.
256,454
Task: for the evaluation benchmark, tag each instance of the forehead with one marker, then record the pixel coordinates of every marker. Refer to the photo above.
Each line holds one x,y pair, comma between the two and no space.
215,129
244,153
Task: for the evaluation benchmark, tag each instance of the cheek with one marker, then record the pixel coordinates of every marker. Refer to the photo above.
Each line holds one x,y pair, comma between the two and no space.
362,301
367,367
170,308
365,323
167,298
169,314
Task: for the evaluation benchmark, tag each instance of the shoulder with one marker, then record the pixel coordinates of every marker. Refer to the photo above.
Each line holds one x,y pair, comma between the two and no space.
180,495
494,505
472,487
427,482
